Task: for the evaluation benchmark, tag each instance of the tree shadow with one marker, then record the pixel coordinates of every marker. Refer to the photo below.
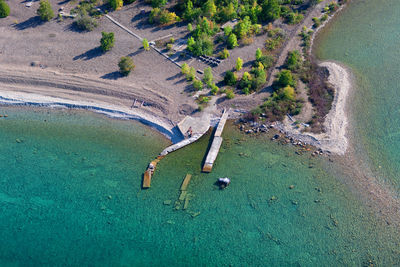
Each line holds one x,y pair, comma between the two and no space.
137,52
112,75
174,77
32,22
64,2
90,54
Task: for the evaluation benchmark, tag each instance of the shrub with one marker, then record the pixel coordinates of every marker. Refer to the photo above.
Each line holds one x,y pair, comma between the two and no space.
116,4
285,78
146,45
85,23
224,54
126,65
45,11
232,41
258,54
169,46
227,30
190,27
230,94
191,75
294,18
208,77
230,78
317,22
185,69
158,3
198,85
214,89
4,9
163,17
239,64
203,45
293,60
107,41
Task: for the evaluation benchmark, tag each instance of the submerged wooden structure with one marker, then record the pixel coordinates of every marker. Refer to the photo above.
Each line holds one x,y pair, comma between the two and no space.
149,172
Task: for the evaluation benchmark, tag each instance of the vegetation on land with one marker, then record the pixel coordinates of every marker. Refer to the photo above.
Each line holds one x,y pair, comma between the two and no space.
126,65
107,41
45,11
116,4
4,9
146,45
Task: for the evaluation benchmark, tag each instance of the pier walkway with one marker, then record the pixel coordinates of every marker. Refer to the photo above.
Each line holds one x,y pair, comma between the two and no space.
216,143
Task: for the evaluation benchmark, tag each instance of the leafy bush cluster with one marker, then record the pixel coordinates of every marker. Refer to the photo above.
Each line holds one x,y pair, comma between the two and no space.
45,11
163,17
107,41
4,9
126,65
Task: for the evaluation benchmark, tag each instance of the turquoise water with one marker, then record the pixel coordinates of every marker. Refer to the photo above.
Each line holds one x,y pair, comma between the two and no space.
366,37
70,195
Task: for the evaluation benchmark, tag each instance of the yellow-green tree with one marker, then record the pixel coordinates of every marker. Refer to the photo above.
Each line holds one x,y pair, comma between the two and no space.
146,45
116,4
239,64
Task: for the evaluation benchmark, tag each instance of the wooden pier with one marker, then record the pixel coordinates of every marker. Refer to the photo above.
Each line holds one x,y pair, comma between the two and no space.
149,172
216,143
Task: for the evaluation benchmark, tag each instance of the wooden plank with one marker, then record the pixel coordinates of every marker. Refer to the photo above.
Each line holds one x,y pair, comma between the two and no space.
146,179
185,182
183,195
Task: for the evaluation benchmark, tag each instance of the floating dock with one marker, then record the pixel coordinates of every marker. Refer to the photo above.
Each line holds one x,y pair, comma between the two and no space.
216,143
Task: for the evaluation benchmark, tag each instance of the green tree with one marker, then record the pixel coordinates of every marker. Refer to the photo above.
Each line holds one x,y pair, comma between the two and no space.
230,78
158,3
214,89
116,4
208,77
209,8
227,30
239,64
107,41
288,93
4,9
232,41
126,65
285,78
85,23
227,13
230,94
146,45
185,69
190,27
191,75
45,11
198,85
293,60
224,54
243,27
202,46
271,10
259,54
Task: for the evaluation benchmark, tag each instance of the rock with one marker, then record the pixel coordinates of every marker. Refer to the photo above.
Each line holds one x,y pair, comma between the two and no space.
18,140
109,197
167,202
273,198
291,186
294,202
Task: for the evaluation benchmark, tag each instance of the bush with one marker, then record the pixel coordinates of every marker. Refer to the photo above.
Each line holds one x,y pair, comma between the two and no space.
191,75
45,11
198,85
158,3
163,17
239,64
230,94
317,22
85,23
293,60
203,45
232,41
259,54
185,69
208,77
285,78
266,60
214,89
116,4
230,78
224,54
107,41
294,18
126,65
146,45
4,9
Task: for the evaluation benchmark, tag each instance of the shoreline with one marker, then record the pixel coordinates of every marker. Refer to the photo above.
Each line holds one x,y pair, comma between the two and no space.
13,98
334,139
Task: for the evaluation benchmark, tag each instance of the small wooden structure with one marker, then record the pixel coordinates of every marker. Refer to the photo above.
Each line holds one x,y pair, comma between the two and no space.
149,172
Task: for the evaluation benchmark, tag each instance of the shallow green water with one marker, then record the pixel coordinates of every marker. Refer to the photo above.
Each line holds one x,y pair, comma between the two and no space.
70,195
366,37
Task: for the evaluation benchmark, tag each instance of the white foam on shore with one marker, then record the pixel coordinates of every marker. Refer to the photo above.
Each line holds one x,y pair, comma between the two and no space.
113,111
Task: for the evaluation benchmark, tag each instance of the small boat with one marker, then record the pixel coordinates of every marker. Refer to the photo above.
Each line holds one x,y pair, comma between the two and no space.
223,182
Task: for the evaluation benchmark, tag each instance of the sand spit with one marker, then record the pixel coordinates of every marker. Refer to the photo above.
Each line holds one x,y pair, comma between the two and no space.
334,138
